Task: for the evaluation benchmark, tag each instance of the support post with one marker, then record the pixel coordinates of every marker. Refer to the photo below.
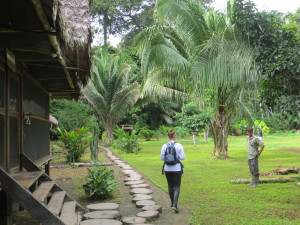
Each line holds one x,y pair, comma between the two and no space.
5,208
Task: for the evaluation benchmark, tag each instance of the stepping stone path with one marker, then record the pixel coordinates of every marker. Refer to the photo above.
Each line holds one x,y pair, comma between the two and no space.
141,198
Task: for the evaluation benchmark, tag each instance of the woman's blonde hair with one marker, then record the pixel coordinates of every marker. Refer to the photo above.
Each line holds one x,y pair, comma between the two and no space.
171,133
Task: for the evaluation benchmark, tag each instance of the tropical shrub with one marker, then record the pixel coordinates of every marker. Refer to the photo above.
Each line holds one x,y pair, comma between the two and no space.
262,125
126,142
74,143
162,131
240,126
100,183
182,132
243,124
71,114
146,133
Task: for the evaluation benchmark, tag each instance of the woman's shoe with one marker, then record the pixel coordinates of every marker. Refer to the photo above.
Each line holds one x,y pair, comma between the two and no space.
175,209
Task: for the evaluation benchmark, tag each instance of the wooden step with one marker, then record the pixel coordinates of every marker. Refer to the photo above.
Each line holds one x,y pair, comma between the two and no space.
26,179
43,190
56,202
68,213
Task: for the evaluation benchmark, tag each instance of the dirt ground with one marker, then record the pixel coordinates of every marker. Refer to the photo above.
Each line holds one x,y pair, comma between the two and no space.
127,208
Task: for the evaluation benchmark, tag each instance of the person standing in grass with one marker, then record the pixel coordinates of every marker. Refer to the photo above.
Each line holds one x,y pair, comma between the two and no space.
173,167
253,153
259,133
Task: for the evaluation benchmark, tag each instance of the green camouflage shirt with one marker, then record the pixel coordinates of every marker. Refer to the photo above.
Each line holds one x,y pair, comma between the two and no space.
253,144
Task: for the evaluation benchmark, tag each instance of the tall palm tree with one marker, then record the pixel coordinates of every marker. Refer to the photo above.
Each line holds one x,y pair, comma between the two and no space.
109,91
195,48
225,67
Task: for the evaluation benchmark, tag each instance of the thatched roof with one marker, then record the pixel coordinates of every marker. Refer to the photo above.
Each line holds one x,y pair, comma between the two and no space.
51,39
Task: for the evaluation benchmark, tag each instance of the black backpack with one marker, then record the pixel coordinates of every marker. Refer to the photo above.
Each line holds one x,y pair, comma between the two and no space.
170,157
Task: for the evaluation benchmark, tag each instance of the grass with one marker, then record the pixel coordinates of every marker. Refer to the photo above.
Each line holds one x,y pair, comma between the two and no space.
206,189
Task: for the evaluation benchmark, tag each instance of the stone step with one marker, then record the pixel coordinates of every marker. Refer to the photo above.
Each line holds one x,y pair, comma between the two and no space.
140,191
133,220
102,206
143,203
152,207
100,222
105,214
129,183
148,214
141,197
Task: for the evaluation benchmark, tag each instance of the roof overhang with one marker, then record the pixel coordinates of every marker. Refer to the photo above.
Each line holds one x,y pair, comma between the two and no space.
44,43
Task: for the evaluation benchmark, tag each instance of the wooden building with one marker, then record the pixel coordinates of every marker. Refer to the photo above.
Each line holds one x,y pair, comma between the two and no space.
44,53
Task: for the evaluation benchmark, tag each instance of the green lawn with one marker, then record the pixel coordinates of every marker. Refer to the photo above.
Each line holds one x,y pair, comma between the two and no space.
206,190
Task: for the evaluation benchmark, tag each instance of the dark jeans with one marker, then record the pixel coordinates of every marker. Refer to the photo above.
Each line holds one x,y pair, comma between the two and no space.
253,166
174,181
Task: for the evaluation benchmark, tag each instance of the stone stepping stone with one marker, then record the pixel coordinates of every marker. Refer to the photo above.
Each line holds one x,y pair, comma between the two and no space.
105,214
133,220
139,186
102,206
140,191
100,222
152,207
128,172
132,179
141,197
143,203
148,214
127,167
133,182
135,175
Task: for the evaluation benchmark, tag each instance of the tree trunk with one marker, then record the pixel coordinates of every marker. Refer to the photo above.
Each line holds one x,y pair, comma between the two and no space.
105,28
109,136
220,127
266,180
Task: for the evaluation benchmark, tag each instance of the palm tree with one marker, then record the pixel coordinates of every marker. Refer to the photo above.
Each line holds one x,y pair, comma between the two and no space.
196,49
225,67
109,91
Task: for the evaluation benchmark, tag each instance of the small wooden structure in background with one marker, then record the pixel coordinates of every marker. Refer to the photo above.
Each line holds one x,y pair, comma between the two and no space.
127,128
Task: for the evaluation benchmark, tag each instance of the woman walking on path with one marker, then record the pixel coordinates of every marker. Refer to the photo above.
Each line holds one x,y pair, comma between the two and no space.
171,154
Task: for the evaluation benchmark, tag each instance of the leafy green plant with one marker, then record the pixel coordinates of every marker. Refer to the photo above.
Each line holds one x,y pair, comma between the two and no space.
241,126
262,125
74,143
126,142
71,114
146,133
182,132
100,183
162,131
